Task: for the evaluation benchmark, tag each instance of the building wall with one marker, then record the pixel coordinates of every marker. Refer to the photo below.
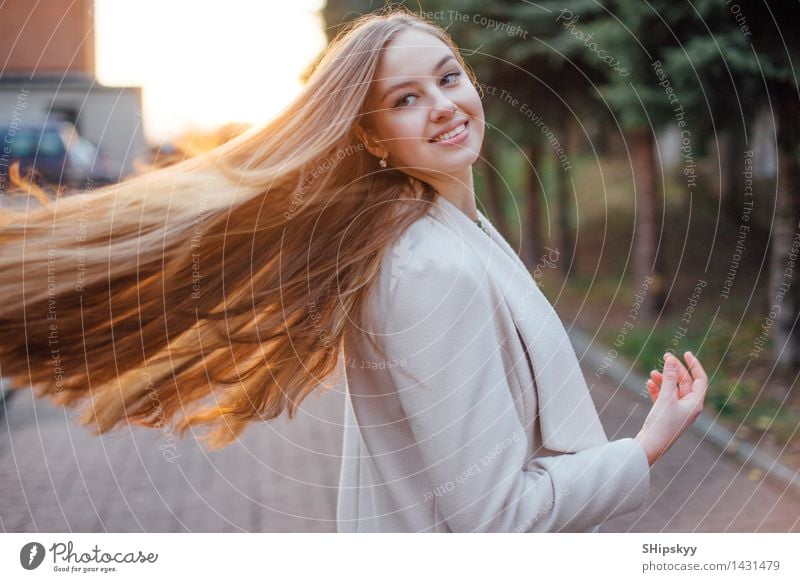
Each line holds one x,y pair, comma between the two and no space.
109,117
49,50
48,36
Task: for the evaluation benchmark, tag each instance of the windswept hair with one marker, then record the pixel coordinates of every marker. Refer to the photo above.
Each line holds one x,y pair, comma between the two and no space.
218,290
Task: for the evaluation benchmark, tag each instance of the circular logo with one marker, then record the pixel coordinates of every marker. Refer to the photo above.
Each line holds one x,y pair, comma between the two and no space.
31,555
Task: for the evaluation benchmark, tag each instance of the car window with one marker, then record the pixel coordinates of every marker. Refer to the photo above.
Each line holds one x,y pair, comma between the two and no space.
83,151
51,144
23,143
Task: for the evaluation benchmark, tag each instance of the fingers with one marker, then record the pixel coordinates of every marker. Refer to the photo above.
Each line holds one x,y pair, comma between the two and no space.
700,383
694,365
653,389
676,379
670,377
684,377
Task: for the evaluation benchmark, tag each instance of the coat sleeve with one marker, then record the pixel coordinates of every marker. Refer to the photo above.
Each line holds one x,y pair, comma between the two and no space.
455,397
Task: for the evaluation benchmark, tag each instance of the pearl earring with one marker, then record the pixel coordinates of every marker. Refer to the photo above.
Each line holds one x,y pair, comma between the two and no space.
382,162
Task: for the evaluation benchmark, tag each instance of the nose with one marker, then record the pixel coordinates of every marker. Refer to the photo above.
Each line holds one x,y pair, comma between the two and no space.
443,108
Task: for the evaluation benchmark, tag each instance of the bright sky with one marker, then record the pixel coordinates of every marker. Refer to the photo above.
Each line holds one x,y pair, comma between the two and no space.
201,63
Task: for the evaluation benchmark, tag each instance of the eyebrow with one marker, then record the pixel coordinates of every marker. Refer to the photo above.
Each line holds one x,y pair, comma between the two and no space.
406,83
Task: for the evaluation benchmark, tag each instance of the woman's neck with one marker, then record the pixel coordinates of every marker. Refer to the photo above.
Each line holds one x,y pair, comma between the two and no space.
459,191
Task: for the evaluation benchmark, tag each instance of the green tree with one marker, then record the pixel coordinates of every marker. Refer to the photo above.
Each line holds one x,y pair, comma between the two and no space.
736,58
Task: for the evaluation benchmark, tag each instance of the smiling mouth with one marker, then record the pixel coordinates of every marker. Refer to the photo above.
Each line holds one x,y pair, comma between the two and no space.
451,134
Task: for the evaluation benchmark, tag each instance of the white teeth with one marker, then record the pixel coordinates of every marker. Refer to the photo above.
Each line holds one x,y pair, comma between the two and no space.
452,132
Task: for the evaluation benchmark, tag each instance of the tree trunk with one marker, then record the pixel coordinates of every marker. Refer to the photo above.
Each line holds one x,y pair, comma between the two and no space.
494,190
783,282
731,155
531,235
645,262
564,194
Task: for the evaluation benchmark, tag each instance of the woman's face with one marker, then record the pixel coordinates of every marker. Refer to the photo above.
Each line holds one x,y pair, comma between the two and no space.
419,93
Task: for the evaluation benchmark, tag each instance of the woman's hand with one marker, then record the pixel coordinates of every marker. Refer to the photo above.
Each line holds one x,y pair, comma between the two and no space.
684,378
678,396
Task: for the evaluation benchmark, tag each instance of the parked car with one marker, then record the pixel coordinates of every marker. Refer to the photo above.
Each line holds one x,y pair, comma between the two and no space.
58,153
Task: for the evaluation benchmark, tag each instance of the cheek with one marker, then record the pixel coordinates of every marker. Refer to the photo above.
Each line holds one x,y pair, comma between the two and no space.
478,117
394,127
476,105
405,130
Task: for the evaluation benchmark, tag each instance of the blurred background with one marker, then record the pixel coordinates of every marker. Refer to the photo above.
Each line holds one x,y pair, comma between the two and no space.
642,157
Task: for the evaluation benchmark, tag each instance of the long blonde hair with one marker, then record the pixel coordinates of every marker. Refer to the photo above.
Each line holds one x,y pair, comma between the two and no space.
231,277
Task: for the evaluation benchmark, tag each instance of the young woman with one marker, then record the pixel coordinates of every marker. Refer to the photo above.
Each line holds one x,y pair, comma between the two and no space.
339,245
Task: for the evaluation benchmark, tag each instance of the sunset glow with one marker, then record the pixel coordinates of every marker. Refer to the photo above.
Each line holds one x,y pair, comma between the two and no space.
202,64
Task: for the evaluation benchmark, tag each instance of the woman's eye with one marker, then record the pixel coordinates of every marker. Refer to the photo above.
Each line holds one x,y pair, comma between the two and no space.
454,74
402,101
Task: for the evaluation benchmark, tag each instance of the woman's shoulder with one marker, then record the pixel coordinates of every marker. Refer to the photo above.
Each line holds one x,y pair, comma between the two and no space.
427,245
428,259
431,238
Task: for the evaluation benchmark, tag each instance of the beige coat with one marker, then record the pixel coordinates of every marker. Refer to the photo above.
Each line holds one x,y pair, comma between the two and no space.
450,433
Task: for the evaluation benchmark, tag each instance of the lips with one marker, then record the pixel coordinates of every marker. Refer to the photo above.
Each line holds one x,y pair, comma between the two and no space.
450,129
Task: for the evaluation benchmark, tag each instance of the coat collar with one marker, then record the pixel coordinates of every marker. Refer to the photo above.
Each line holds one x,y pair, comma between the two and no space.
567,415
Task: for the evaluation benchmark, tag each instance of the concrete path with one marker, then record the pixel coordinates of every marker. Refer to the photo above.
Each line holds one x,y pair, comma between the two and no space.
57,477
282,477
694,487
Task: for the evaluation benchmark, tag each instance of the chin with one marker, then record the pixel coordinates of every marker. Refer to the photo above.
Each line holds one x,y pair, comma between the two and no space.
453,166
458,165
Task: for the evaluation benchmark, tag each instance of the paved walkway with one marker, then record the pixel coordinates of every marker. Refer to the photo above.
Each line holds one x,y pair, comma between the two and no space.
282,477
694,487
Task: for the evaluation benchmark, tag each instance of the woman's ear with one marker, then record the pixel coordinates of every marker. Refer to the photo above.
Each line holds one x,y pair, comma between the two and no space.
369,142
